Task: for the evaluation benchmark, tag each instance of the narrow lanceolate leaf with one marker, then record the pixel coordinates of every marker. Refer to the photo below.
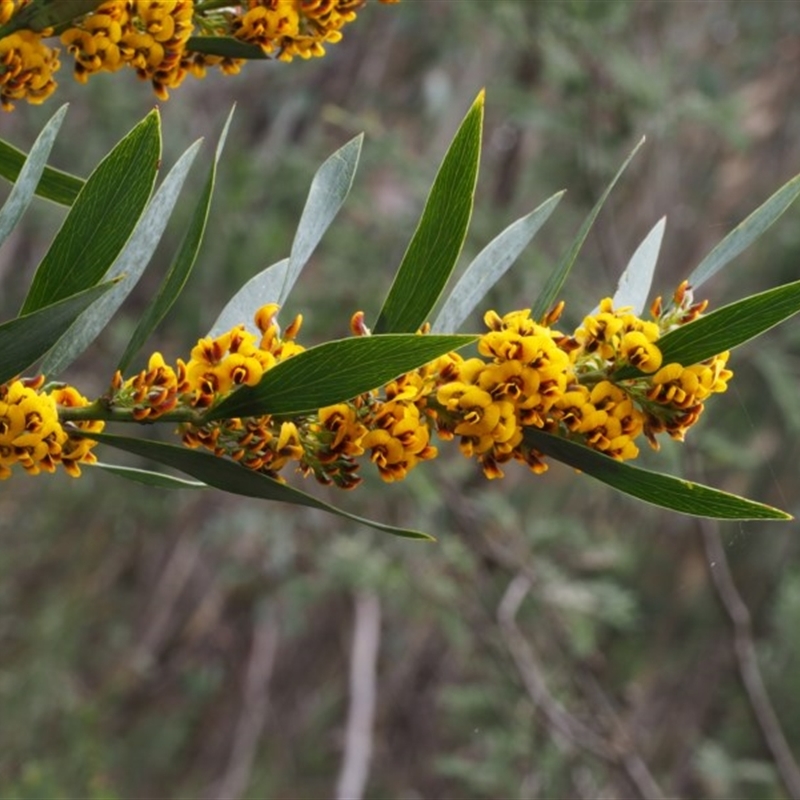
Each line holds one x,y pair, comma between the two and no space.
182,264
655,488
490,265
149,478
225,46
634,284
232,477
41,14
744,234
128,267
434,249
333,372
731,325
552,288
55,185
28,179
101,219
258,291
24,340
329,189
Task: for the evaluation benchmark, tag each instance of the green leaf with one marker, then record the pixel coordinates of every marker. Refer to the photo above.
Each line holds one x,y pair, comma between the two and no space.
258,291
744,234
730,326
25,186
225,46
490,265
40,14
434,249
329,188
149,478
182,264
655,488
634,284
232,477
334,372
101,219
128,267
24,340
552,288
55,185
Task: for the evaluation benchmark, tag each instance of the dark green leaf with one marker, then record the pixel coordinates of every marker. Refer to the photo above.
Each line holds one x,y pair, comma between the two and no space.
128,267
182,264
24,340
60,187
437,242
231,477
555,282
225,46
101,219
28,179
333,372
744,234
655,488
726,328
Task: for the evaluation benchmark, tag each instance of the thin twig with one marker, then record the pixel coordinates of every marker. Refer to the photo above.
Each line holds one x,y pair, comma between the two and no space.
363,681
255,704
747,659
531,673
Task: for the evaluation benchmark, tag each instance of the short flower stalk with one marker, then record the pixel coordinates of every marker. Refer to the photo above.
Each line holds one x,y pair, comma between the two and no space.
604,386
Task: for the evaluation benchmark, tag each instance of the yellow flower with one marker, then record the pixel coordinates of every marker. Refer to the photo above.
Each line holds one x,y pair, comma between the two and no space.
26,69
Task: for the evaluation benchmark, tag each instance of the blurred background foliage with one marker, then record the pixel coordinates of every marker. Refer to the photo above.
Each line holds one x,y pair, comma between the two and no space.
198,645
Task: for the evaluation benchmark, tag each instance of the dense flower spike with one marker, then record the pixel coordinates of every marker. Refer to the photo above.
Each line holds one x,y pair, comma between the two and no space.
166,40
32,435
527,375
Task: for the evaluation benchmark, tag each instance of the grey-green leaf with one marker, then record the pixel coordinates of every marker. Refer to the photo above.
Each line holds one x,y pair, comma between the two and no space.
334,372
149,478
490,265
635,282
25,186
329,189
128,267
744,234
101,219
24,340
433,251
182,264
655,488
552,288
231,477
258,291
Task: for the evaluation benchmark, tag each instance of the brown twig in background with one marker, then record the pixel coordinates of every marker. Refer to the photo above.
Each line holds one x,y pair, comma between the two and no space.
363,692
531,673
255,704
747,659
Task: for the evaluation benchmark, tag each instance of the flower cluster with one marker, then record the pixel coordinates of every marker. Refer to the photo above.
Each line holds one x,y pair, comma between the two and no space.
603,386
165,40
32,435
27,64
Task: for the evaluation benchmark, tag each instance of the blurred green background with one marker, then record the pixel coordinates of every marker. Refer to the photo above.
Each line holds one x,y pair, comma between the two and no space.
174,645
